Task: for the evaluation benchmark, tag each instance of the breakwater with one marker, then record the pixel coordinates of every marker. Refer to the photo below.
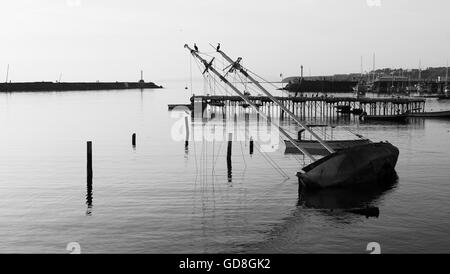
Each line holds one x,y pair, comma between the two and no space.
71,86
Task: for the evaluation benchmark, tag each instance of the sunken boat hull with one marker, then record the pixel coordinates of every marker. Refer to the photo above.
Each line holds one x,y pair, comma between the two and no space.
360,165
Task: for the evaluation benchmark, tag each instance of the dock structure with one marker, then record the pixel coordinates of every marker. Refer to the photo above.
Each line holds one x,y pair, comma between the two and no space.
323,106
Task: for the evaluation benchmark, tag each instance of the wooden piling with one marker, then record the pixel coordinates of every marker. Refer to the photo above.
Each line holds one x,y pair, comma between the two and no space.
186,124
133,139
89,162
229,149
89,179
230,146
251,145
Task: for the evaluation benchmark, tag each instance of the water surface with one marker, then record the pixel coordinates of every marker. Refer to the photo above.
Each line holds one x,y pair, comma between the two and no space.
158,197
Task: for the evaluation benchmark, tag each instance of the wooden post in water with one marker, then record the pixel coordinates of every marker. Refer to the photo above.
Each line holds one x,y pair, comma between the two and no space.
89,179
133,139
89,162
251,145
229,148
186,124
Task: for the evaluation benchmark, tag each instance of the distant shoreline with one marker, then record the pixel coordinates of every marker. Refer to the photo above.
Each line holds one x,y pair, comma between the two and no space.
73,86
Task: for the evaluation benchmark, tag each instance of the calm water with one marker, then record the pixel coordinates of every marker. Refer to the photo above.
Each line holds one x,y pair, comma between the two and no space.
161,198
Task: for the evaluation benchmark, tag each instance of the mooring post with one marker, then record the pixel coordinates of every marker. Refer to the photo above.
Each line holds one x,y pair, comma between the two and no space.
251,145
133,139
186,124
89,179
89,162
230,146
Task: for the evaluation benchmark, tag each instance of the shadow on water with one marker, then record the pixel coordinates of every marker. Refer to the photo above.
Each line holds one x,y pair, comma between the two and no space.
356,200
89,195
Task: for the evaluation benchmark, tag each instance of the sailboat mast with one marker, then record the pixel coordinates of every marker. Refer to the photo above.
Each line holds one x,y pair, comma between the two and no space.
292,115
238,92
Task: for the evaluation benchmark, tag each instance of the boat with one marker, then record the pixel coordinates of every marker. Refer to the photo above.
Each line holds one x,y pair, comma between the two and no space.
343,109
359,165
361,89
435,114
315,148
216,104
390,118
245,105
446,94
357,111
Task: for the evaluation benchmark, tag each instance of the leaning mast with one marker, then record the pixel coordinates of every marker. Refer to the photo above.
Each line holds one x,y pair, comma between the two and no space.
238,66
208,66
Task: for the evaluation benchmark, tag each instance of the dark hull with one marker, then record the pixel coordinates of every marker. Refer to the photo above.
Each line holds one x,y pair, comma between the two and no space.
437,114
390,118
359,165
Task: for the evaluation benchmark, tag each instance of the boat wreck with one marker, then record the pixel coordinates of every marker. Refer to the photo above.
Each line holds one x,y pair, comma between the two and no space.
356,165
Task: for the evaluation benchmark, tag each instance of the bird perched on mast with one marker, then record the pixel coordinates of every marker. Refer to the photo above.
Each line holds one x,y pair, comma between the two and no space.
218,47
195,47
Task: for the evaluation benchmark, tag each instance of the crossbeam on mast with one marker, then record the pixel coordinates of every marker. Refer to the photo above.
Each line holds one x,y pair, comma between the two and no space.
238,66
238,92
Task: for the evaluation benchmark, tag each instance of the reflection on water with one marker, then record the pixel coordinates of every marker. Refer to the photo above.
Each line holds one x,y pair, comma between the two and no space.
357,200
89,196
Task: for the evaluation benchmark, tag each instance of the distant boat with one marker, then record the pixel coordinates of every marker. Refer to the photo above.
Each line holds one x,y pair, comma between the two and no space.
445,96
411,90
422,88
216,104
392,118
436,114
245,105
446,88
360,90
315,148
343,109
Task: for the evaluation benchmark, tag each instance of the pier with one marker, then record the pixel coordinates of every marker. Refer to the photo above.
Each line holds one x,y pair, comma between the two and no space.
323,106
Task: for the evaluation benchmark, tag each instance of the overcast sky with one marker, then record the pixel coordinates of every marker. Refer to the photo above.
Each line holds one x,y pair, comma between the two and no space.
108,40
